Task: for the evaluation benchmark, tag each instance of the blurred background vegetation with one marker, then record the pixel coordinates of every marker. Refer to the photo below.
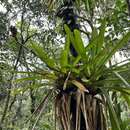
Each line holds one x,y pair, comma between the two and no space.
22,99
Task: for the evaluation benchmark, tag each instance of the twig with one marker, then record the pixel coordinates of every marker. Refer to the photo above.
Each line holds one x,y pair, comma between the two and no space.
10,84
89,22
43,105
87,33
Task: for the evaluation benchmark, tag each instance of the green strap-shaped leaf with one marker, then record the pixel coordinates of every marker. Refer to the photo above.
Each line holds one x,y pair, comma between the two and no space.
100,39
92,46
28,78
120,44
87,6
127,99
79,46
78,3
113,116
122,79
97,40
77,42
76,60
50,77
65,54
69,33
64,58
40,52
116,88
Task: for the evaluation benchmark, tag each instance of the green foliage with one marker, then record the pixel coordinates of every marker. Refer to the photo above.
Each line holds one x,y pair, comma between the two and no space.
38,50
65,54
32,80
94,57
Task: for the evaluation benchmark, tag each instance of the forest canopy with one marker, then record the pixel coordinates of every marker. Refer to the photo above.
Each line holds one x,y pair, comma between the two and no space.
64,65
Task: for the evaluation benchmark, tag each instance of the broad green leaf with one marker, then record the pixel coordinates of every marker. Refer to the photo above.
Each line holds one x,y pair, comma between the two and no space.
79,46
39,51
71,37
69,33
64,59
65,54
76,41
76,60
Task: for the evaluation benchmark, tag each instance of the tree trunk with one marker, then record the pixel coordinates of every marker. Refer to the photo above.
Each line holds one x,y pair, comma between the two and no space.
128,4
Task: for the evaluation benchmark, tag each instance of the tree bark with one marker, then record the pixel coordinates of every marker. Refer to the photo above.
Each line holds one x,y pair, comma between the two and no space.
128,4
